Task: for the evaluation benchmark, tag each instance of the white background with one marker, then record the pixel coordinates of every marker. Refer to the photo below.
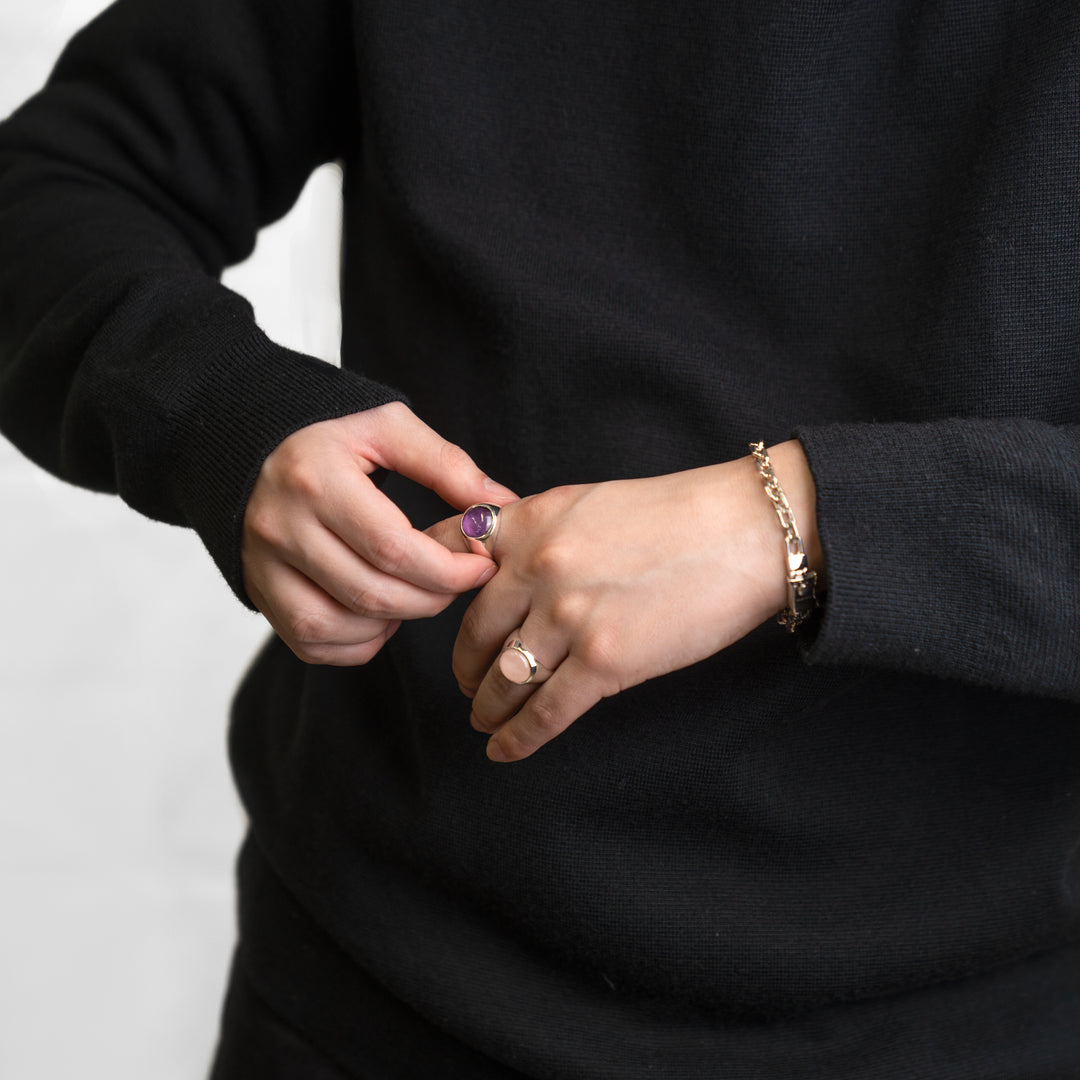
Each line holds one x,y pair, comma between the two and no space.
119,648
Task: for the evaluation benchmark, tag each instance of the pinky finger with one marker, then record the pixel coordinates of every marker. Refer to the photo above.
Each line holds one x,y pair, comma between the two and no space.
358,654
316,627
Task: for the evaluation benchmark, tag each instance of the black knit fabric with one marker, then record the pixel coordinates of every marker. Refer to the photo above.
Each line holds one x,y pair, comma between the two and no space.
590,241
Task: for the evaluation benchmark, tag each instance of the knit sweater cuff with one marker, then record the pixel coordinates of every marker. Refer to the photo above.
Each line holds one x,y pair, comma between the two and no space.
259,394
944,547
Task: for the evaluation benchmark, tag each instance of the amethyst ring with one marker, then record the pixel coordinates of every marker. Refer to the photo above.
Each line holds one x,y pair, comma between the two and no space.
479,523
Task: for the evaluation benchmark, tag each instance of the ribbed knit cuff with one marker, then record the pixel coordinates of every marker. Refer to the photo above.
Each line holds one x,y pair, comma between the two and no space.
259,394
950,550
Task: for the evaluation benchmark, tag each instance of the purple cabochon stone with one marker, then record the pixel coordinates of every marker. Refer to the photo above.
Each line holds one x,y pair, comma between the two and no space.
476,522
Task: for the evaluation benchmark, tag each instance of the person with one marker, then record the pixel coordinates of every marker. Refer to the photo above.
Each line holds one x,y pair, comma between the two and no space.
597,251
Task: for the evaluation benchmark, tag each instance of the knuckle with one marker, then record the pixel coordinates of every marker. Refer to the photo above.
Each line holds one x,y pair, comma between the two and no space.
367,600
532,513
452,459
512,746
388,550
551,504
290,469
469,662
485,719
599,652
261,523
385,421
552,561
467,679
314,639
305,481
310,630
568,611
396,411
546,720
464,677
469,633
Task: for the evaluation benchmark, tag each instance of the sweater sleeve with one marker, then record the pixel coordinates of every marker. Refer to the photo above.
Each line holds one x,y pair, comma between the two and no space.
953,550
164,138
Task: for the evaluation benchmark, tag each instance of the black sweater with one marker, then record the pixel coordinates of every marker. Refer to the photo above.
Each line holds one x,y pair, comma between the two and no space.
597,240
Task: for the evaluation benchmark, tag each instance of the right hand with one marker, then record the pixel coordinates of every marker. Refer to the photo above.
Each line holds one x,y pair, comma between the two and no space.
332,563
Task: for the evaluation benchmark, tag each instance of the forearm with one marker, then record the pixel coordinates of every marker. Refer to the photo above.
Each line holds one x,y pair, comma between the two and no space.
125,187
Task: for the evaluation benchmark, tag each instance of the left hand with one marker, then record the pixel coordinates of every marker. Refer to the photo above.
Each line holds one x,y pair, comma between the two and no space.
614,583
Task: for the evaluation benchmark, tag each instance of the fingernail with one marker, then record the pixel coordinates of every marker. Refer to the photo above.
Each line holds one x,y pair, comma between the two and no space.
487,575
495,751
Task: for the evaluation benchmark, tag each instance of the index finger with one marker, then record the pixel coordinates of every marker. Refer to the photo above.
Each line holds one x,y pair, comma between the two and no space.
378,531
397,439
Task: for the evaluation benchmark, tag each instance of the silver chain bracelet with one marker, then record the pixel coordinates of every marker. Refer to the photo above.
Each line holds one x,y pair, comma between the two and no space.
801,580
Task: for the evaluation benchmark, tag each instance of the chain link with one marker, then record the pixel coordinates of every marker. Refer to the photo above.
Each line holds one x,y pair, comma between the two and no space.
802,581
